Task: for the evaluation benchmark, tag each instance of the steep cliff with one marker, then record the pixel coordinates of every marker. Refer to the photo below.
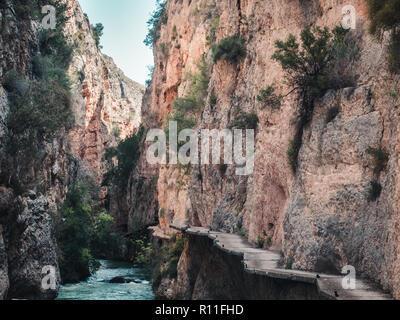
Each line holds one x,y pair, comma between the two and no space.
322,217
107,108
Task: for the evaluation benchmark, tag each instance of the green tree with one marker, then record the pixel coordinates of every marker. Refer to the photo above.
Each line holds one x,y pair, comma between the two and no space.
309,69
98,33
157,19
74,233
126,154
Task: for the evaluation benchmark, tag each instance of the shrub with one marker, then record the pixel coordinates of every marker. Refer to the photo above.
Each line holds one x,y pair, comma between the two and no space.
73,235
309,69
164,48
374,191
332,114
127,154
212,34
37,117
97,33
289,263
165,259
260,243
244,120
232,49
187,107
381,158
268,98
158,18
83,233
385,16
268,242
14,82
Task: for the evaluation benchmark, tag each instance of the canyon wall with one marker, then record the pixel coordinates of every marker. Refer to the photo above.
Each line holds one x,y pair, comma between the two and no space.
321,218
107,108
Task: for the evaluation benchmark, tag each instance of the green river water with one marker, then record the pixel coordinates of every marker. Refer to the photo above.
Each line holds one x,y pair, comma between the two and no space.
97,287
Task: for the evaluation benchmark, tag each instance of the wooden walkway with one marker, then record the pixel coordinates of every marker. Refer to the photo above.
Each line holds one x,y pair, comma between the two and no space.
264,262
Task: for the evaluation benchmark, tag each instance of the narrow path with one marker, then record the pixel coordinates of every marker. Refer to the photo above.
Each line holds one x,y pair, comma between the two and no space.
265,262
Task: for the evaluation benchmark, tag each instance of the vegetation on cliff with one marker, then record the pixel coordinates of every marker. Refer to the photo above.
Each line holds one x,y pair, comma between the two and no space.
187,107
158,18
122,160
312,68
231,49
83,232
165,259
385,17
40,108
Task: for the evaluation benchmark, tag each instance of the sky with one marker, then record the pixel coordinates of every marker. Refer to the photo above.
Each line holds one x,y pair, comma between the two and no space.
125,29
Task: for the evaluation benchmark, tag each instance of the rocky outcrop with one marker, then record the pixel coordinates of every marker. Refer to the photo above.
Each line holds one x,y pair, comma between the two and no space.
107,108
31,247
107,104
321,217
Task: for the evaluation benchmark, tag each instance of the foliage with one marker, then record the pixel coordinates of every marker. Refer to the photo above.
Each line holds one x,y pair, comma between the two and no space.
98,33
381,158
244,120
374,191
144,254
165,259
385,16
126,154
309,70
73,235
232,49
289,263
269,98
158,18
187,107
212,34
83,232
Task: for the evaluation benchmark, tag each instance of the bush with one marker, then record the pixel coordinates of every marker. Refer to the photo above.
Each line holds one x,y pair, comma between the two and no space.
165,259
158,18
232,49
83,232
268,98
374,191
127,154
289,263
381,158
14,82
385,16
244,120
212,35
187,107
73,235
309,70
97,33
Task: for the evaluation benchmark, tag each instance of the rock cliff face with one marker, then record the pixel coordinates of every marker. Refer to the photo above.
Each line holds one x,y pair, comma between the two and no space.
321,218
107,108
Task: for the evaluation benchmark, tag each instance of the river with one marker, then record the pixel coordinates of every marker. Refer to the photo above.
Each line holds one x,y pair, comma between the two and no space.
97,287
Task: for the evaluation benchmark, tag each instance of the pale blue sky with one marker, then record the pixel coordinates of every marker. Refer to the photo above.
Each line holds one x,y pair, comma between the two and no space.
124,31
